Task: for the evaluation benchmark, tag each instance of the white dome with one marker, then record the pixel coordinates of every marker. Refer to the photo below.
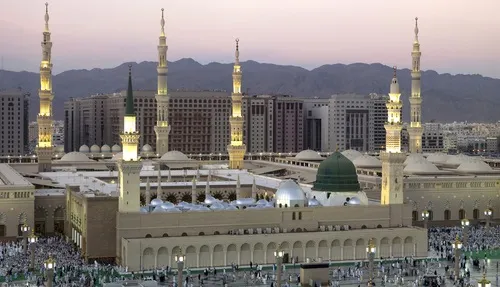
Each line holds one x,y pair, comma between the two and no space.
353,201
367,161
217,206
95,149
245,201
144,210
438,157
84,148
105,148
308,155
174,155
75,156
413,157
291,194
117,156
313,202
156,202
475,165
116,148
262,202
210,200
351,154
167,205
59,149
420,165
147,148
173,210
457,159
158,209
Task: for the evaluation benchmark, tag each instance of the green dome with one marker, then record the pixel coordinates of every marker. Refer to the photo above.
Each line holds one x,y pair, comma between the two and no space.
336,174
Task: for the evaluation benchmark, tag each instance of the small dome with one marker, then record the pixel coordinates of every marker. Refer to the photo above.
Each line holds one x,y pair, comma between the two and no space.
262,202
457,159
313,202
291,194
351,154
116,148
158,209
353,201
174,155
173,210
84,148
231,207
167,205
144,210
146,148
75,156
420,165
217,206
156,202
210,200
475,166
395,85
105,148
367,161
413,157
336,174
245,201
95,149
308,155
59,149
438,157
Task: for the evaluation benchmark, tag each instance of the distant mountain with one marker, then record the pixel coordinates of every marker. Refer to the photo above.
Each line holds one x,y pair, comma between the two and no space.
445,97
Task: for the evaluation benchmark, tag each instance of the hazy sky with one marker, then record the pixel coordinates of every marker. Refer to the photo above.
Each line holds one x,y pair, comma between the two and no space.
456,36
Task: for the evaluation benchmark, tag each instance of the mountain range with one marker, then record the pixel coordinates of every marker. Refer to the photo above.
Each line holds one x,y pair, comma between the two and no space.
446,97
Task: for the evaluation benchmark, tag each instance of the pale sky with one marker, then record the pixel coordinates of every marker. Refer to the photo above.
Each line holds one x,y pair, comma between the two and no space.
456,36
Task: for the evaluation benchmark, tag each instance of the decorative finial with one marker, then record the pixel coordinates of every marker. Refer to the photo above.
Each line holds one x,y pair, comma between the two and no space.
237,53
130,69
416,29
395,69
162,23
46,16
237,45
46,7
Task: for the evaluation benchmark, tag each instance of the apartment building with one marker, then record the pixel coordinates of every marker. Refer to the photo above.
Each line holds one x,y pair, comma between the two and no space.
15,120
316,124
379,120
432,138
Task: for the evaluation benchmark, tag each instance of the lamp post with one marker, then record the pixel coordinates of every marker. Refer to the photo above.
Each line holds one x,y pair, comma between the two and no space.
425,217
465,226
180,266
457,245
484,282
24,229
488,213
49,265
32,240
278,254
371,249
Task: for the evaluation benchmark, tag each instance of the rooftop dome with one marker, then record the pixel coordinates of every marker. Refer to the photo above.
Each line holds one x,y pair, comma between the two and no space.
209,199
147,148
413,157
367,161
245,201
144,210
313,202
336,174
156,202
420,165
289,193
117,156
353,201
174,155
75,156
158,209
167,205
351,154
105,148
116,148
457,159
475,166
438,157
308,155
95,149
84,148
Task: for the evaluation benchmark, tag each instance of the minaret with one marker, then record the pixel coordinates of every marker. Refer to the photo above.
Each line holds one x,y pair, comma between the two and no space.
236,148
162,128
415,129
148,191
393,158
207,188
158,188
44,118
254,189
193,191
129,166
238,188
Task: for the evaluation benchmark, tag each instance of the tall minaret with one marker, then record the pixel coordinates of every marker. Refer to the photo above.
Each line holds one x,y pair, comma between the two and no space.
236,148
415,130
129,166
44,119
393,158
162,129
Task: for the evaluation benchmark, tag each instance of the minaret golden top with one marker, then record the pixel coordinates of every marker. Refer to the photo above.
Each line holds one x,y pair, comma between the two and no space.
394,68
416,29
237,54
162,22
46,16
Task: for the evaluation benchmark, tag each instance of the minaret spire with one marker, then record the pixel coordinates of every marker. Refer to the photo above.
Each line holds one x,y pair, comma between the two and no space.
236,147
45,117
162,129
415,129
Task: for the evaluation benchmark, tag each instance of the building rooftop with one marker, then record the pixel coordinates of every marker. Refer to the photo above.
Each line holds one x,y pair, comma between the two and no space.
10,177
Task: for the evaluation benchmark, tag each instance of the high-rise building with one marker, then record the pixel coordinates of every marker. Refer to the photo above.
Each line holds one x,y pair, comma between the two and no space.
44,119
316,124
432,138
379,119
162,128
14,128
197,119
236,148
415,129
351,122
273,123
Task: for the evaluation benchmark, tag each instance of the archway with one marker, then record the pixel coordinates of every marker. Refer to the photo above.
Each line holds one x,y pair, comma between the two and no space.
348,253
447,214
311,250
285,247
323,252
218,255
360,252
298,251
475,213
409,247
397,247
40,218
175,251
204,257
162,258
461,214
148,259
232,255
59,220
271,248
414,215
191,257
245,256
258,253
336,252
385,248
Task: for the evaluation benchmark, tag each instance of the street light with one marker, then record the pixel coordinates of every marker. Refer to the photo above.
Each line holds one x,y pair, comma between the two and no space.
49,265
179,258
484,282
488,213
371,249
465,226
457,245
425,217
32,240
278,254
24,229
